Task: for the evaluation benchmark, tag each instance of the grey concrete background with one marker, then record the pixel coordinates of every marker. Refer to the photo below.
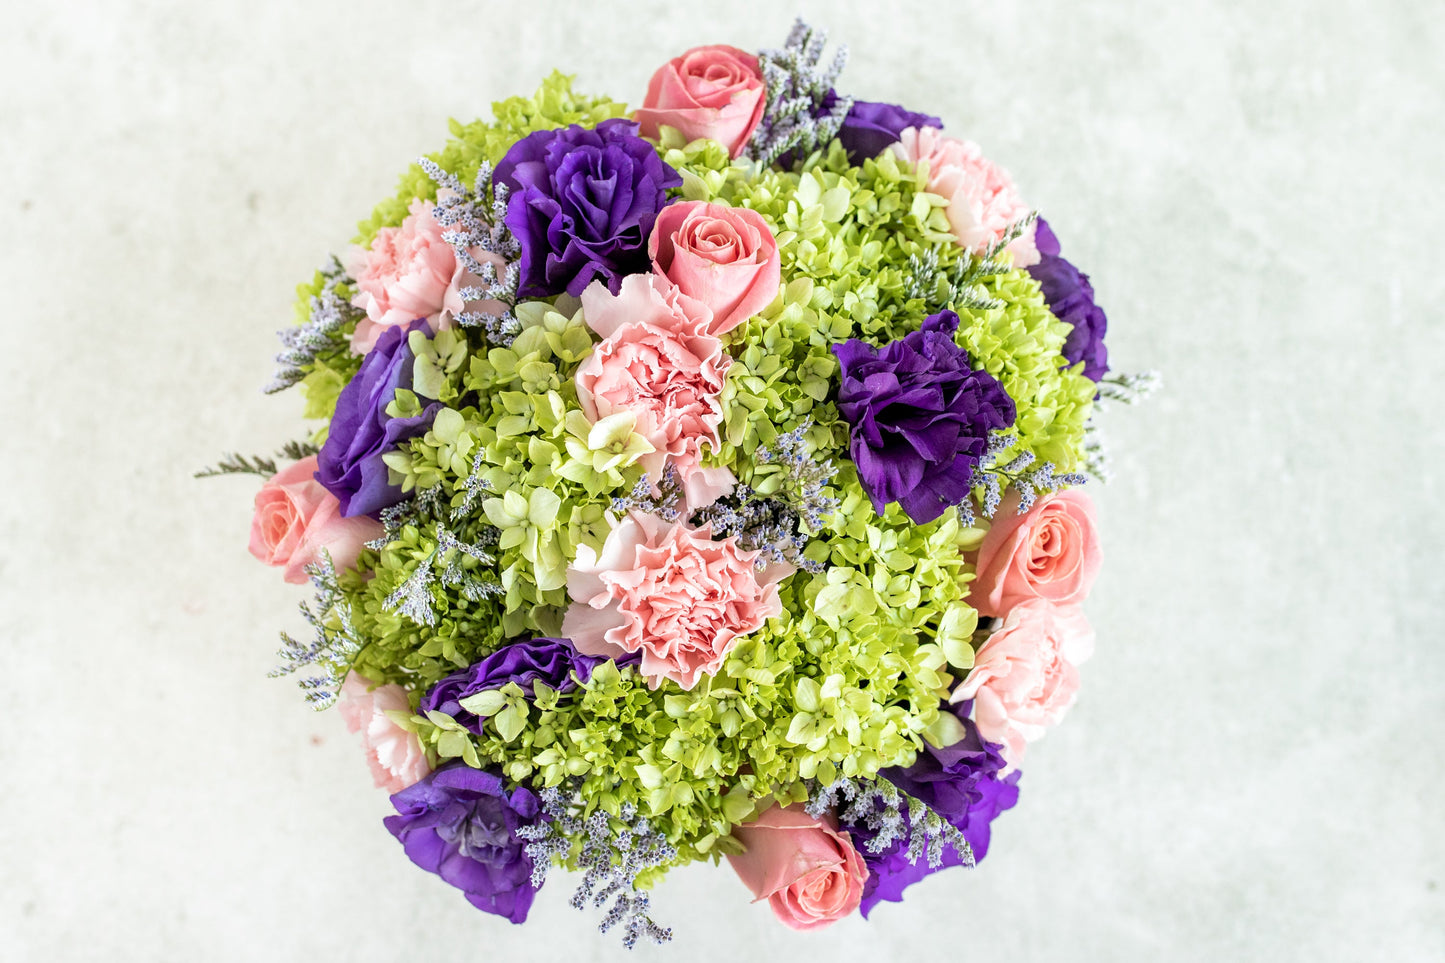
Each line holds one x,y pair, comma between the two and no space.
1254,770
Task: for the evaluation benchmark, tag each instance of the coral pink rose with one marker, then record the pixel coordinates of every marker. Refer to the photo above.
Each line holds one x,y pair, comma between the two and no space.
671,593
1026,674
409,273
394,754
805,868
656,364
982,200
296,518
1050,552
725,257
714,92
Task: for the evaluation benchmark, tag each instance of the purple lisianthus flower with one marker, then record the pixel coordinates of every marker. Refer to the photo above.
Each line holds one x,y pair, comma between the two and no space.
871,128
349,465
1070,297
554,662
962,784
582,204
920,417
461,823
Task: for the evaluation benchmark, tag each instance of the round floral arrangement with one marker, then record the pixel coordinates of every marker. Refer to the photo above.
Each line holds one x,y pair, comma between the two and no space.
697,482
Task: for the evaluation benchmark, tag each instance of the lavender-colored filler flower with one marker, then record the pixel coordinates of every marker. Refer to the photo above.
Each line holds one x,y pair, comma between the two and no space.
961,783
920,417
349,464
1070,297
553,662
582,205
461,823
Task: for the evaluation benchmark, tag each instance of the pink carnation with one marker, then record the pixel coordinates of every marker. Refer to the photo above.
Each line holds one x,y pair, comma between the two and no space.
296,518
671,593
1025,676
656,363
410,272
982,200
394,754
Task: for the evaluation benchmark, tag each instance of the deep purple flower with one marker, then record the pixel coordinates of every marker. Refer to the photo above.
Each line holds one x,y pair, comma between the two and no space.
1070,297
920,417
550,661
461,823
582,205
962,784
349,465
868,129
871,127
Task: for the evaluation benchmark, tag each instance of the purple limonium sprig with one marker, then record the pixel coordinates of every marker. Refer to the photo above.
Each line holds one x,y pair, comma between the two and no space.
920,417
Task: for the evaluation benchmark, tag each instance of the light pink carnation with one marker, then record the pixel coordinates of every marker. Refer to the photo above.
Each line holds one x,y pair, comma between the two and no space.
982,200
409,272
395,755
296,518
671,593
656,363
1025,676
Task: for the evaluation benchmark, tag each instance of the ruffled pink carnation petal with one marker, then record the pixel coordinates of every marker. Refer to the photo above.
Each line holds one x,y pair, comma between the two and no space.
671,593
982,199
408,273
655,363
1025,676
395,755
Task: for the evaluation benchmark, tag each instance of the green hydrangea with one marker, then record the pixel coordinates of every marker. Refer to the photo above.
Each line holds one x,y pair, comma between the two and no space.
848,679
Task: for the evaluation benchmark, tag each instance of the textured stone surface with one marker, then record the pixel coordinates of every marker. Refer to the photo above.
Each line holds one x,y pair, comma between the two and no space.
1251,770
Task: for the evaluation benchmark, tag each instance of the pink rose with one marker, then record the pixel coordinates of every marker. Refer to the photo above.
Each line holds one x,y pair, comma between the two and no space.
409,272
394,754
1051,552
669,592
725,257
656,364
982,200
805,868
296,518
1026,675
714,92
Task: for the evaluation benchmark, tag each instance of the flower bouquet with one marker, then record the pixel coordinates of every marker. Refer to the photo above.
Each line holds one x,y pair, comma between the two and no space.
698,482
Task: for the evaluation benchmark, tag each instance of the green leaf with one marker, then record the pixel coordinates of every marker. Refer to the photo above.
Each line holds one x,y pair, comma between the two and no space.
485,703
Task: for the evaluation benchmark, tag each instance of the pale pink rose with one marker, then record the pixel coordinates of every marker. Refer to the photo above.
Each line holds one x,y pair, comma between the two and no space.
658,366
410,273
296,518
982,200
806,868
1025,676
394,754
715,92
725,257
669,592
1050,552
